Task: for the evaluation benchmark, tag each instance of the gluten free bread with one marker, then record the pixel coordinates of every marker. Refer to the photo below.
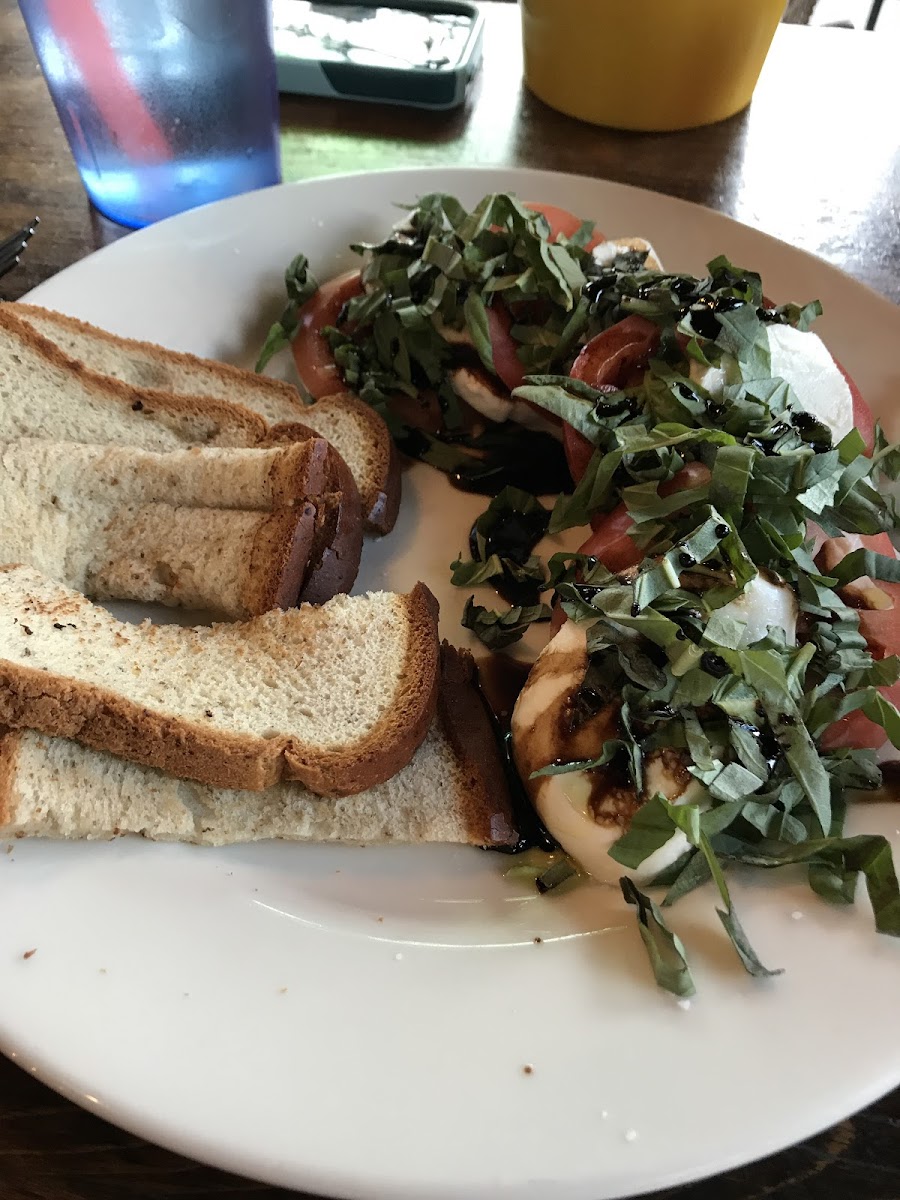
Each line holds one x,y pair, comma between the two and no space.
337,697
357,432
453,790
46,394
232,531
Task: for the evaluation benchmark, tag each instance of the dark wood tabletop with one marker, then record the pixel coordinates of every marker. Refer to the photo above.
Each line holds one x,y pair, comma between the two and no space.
815,161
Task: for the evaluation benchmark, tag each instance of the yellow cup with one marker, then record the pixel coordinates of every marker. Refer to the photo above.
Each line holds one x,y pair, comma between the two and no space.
647,64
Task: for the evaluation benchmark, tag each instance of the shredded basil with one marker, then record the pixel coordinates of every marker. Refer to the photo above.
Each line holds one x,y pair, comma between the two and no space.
667,642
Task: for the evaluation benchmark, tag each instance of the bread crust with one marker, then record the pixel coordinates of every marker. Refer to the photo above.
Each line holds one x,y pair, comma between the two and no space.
10,743
106,720
337,544
278,563
303,471
381,496
392,741
468,724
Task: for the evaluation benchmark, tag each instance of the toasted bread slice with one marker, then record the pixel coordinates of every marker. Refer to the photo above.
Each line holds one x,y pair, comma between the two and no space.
46,394
338,697
227,562
367,447
338,537
354,429
231,531
53,788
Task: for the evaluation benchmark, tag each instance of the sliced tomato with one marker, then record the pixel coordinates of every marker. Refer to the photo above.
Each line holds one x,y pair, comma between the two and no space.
879,626
610,358
862,414
611,541
856,731
504,348
563,222
833,550
315,363
578,451
608,362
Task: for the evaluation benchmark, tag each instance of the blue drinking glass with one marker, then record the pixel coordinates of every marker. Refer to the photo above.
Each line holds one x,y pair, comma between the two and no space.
166,104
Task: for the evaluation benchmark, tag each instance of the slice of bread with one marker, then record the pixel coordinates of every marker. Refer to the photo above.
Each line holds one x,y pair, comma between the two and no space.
228,563
53,788
232,531
145,365
46,394
366,445
338,697
357,432
338,536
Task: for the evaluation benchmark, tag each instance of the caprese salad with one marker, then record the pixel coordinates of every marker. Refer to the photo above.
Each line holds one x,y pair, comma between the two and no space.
722,672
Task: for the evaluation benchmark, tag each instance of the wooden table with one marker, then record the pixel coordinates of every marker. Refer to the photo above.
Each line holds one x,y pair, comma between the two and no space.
815,160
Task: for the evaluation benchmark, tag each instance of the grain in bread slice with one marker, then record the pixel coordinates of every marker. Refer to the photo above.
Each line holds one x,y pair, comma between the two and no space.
46,394
54,788
357,432
337,696
233,531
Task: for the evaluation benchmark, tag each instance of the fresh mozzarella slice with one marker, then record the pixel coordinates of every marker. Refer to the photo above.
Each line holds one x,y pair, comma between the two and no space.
492,399
605,254
487,396
711,379
801,360
763,604
585,811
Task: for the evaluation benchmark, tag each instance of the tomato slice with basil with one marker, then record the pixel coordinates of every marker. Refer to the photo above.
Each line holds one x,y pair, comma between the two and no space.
315,363
879,626
877,601
504,348
862,414
856,731
611,360
611,541
563,223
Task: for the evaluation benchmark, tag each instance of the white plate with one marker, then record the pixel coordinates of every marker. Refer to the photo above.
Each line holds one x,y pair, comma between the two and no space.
356,1021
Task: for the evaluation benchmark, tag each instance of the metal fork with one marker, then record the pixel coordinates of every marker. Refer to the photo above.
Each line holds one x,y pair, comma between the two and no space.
14,245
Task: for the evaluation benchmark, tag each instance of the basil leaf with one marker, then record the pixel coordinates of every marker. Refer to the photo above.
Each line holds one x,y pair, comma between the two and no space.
652,826
557,873
883,713
745,951
610,749
664,948
471,574
695,873
300,284
497,630
730,478
768,679
859,563
869,854
476,316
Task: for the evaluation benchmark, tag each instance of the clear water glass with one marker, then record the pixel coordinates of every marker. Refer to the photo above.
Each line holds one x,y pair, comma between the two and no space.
166,104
